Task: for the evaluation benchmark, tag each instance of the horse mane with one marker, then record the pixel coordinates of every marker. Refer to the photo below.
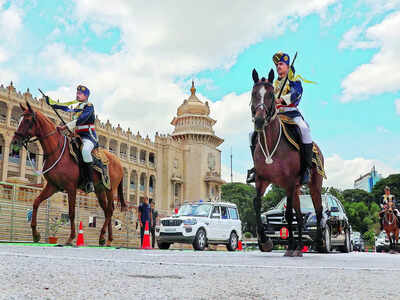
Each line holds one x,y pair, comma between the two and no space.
42,117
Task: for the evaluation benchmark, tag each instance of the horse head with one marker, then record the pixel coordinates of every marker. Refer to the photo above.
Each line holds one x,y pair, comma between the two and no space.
262,100
27,126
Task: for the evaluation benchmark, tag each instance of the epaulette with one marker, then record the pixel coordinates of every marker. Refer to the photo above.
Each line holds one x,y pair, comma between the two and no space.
89,104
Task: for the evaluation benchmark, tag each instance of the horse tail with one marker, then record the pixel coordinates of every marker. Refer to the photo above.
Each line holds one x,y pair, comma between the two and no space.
121,195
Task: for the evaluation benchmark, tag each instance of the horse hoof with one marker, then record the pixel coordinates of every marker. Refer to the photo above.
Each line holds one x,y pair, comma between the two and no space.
36,238
102,242
297,253
288,253
108,244
267,246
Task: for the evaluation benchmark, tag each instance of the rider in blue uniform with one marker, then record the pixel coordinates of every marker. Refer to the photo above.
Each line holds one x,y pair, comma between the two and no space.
83,123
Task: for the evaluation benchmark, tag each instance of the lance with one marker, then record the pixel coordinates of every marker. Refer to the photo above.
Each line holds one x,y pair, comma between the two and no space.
287,76
58,115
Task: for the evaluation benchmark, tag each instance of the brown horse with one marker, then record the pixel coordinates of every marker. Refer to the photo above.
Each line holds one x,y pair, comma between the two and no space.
63,172
390,225
279,163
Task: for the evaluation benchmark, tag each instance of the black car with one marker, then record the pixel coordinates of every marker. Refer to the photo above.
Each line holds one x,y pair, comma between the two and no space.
335,224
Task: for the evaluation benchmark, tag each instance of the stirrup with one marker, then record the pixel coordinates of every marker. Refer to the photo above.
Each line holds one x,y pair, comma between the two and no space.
89,188
305,179
251,177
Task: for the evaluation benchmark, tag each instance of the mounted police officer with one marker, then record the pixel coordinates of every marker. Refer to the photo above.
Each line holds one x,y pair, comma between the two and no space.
83,123
287,105
385,199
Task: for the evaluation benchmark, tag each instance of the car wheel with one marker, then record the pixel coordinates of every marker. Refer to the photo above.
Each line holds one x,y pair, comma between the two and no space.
164,246
233,242
200,241
326,243
347,244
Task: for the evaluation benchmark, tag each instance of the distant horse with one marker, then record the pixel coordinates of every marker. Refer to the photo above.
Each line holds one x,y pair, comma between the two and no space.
280,167
63,172
390,225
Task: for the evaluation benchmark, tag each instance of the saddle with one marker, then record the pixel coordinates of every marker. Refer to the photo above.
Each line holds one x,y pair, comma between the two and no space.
293,135
100,162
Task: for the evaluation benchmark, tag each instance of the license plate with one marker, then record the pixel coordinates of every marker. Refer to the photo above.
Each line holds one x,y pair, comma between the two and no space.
170,229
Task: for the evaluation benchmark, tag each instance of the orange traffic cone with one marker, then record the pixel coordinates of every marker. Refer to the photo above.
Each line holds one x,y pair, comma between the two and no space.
146,237
240,246
80,241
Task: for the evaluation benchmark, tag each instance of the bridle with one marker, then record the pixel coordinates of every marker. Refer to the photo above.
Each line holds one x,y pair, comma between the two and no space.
26,140
389,211
270,115
270,111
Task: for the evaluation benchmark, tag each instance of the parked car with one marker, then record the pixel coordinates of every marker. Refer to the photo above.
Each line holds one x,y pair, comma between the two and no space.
358,242
201,224
382,242
335,224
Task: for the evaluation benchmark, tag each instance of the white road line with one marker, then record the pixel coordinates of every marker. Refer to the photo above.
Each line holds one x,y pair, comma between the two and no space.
201,264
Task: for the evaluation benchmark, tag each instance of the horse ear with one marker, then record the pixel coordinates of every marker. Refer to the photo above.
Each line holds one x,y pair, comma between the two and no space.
22,107
255,76
29,107
271,76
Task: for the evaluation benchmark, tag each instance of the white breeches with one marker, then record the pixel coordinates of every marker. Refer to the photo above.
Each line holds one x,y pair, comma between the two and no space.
305,130
87,150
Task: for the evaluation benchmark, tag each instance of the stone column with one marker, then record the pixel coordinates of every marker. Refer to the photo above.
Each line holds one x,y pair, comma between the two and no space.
5,159
9,110
22,162
39,164
128,185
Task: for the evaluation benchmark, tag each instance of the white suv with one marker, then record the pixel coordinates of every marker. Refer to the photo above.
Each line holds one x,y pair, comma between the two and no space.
201,224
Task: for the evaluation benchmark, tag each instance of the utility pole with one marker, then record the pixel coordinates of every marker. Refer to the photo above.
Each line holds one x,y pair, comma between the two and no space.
231,166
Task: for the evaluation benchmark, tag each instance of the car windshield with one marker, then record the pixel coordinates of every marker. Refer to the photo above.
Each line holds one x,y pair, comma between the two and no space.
356,234
305,203
195,210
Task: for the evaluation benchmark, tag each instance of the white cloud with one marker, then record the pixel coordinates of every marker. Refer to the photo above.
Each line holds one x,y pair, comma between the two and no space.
382,129
10,27
341,173
381,74
236,176
136,86
397,104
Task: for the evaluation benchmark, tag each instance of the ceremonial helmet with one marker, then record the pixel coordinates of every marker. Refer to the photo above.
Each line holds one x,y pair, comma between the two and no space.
280,56
84,90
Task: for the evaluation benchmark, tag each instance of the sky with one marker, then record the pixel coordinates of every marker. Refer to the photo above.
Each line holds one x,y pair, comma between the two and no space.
139,59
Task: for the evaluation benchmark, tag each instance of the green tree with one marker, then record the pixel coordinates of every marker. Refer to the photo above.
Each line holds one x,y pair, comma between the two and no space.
272,198
242,195
357,195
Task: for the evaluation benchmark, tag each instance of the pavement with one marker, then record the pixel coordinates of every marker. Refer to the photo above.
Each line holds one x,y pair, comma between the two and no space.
98,273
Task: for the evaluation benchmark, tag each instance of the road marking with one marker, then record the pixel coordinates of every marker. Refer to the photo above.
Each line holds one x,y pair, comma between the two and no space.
166,263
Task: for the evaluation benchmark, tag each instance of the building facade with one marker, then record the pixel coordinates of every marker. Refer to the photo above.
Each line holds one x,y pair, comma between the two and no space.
367,181
171,169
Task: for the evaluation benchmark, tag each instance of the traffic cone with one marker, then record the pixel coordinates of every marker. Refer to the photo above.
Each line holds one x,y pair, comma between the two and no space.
80,241
305,249
240,246
146,237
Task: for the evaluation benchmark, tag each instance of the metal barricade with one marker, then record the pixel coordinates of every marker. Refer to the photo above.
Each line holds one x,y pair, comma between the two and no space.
16,203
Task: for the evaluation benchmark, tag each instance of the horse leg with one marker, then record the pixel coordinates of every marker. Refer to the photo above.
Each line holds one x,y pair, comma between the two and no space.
299,218
48,190
111,195
265,244
315,191
289,220
101,197
71,211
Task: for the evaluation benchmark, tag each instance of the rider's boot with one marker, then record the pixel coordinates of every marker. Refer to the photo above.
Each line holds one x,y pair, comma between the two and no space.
251,174
306,154
89,188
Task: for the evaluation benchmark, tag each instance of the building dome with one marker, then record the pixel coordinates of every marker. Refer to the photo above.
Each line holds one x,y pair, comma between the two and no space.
193,105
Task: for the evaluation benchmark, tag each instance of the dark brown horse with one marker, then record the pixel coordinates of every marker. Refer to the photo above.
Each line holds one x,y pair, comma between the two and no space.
279,163
63,172
390,225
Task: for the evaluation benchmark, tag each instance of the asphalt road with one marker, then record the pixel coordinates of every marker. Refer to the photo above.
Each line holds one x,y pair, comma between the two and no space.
97,273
